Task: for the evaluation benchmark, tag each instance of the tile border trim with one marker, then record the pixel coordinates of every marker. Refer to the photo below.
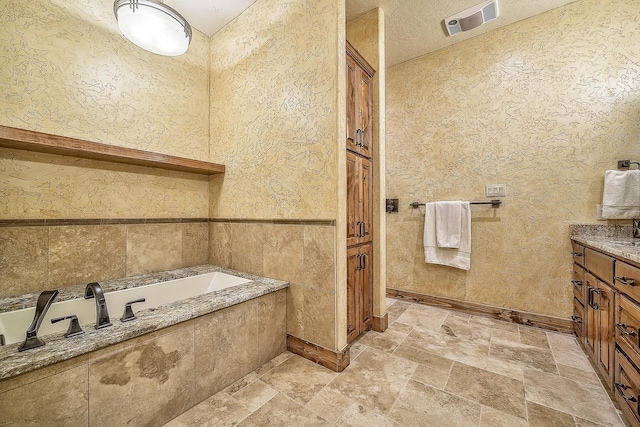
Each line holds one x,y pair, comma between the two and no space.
118,221
542,321
337,361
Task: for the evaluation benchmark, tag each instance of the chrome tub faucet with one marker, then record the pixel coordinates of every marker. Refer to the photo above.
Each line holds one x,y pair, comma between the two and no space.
94,290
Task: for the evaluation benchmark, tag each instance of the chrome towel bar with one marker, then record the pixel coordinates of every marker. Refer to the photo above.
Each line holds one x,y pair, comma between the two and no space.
494,204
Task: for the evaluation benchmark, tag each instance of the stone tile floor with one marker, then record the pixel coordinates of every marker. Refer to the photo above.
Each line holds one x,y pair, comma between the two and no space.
432,367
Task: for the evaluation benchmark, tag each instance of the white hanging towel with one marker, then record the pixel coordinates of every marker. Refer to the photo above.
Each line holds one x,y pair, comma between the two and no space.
621,196
452,257
448,224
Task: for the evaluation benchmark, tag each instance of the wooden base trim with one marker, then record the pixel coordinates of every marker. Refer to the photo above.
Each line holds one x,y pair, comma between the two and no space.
557,324
380,323
336,361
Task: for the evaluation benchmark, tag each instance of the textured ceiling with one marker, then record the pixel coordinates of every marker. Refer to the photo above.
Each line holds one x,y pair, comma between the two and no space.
415,27
208,16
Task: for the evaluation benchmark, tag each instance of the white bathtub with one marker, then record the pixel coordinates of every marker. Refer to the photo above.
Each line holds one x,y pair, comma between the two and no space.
14,324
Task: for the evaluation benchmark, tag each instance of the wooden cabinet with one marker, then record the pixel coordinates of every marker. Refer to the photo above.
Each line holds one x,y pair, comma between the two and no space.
627,388
359,123
599,336
359,198
359,291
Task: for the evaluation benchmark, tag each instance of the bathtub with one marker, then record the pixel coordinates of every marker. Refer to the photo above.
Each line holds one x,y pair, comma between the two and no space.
13,324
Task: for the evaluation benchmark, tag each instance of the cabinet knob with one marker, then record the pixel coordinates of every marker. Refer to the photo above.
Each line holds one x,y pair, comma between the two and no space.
576,253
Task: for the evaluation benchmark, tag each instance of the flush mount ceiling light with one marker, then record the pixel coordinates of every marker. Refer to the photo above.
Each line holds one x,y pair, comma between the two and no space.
471,18
153,26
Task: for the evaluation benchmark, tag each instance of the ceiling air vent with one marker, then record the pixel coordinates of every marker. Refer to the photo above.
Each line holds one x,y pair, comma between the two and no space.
471,18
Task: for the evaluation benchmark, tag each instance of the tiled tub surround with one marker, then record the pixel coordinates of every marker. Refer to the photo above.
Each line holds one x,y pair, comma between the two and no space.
150,370
50,254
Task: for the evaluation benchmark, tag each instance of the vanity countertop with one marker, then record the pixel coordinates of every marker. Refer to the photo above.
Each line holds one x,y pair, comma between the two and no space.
615,240
58,348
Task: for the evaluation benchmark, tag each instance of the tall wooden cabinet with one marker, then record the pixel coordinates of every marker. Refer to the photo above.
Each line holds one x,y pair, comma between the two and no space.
359,195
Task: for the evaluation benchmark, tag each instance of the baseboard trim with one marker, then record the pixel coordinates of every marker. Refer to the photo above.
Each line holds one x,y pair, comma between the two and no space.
552,323
336,361
380,323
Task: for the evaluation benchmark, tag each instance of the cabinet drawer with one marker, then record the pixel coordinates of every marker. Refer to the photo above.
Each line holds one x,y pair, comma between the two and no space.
577,251
599,264
577,280
627,279
626,386
578,317
627,325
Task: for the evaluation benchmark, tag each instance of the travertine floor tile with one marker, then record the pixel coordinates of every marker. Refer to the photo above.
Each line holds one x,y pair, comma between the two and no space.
220,410
523,355
567,351
420,405
384,341
542,416
493,323
493,418
282,411
396,309
358,416
569,396
534,337
356,349
431,377
329,405
255,395
374,379
497,391
430,360
446,345
589,378
426,317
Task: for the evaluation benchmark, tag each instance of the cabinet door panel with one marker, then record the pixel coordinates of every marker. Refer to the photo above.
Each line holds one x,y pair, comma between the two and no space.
627,327
364,112
366,288
353,199
606,335
578,318
351,103
366,200
627,388
591,309
578,283
353,323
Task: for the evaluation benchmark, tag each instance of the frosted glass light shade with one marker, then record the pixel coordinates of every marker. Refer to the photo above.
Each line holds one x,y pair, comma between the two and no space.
153,26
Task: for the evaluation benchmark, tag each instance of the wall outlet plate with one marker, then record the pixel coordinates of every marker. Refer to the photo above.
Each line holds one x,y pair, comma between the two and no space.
495,190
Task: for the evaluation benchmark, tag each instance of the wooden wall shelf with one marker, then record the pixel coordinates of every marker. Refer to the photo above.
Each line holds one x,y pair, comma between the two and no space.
22,139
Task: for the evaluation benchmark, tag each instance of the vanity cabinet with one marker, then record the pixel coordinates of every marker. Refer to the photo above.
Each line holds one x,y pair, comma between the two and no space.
359,82
360,238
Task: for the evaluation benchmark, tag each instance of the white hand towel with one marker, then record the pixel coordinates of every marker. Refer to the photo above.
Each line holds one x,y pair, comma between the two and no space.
457,258
621,196
448,223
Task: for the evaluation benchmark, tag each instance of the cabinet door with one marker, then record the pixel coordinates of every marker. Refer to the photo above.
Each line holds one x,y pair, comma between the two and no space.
364,113
353,199
353,271
591,309
606,335
351,104
366,288
366,200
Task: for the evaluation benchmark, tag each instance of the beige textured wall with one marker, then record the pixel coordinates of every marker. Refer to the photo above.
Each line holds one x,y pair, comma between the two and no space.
67,70
277,108
273,111
367,34
545,106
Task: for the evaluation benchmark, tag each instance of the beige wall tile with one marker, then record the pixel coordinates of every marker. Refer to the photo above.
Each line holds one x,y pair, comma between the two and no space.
58,400
150,383
153,247
320,317
82,254
246,247
220,244
283,252
319,257
226,347
295,310
195,244
42,373
272,325
23,259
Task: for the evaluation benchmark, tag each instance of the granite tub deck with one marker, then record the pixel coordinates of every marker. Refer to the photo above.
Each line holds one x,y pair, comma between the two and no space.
614,239
58,348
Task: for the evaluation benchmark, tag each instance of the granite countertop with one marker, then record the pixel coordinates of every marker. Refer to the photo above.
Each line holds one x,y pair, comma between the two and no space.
58,348
615,240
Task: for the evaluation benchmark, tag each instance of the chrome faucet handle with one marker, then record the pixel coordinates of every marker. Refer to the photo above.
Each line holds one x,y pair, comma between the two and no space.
128,311
74,325
42,306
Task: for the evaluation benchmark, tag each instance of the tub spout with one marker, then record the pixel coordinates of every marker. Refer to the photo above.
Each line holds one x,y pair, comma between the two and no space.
42,306
93,290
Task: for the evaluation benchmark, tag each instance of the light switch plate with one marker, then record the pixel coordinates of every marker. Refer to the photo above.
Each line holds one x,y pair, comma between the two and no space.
495,190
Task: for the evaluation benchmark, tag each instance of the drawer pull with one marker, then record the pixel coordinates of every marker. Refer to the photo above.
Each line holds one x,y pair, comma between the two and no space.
625,281
621,388
576,253
576,319
577,283
622,327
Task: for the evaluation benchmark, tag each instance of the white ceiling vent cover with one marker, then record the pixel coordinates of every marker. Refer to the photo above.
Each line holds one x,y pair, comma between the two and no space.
471,18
